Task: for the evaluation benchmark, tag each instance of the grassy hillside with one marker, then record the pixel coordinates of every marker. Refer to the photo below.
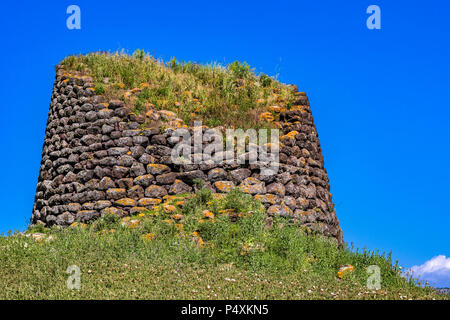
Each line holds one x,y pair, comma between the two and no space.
231,95
200,246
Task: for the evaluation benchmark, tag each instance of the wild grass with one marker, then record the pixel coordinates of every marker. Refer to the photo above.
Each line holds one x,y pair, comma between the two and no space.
230,95
198,246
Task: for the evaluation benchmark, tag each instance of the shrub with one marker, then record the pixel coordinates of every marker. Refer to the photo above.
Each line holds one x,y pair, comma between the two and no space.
99,88
240,70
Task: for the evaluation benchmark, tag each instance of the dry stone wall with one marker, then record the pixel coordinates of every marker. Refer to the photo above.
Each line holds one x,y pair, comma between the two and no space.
99,158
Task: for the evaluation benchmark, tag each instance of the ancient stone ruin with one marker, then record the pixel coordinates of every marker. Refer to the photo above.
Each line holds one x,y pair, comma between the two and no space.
98,158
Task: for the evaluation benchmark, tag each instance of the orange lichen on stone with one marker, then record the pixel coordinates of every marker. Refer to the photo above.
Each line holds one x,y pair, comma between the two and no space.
156,168
303,202
272,210
276,109
291,135
251,180
286,209
223,186
126,202
117,190
298,108
245,188
112,210
168,208
148,201
267,198
266,116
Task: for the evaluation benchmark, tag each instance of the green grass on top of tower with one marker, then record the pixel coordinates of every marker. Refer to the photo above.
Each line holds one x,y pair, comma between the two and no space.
230,95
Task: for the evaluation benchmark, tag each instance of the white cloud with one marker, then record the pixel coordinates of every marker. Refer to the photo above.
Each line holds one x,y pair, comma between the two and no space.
436,271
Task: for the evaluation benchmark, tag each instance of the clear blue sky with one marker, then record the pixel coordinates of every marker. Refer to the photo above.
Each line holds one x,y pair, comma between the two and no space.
380,98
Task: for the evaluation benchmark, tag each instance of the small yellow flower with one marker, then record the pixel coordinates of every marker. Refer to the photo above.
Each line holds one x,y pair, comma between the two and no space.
208,214
133,223
199,241
177,216
168,208
245,250
149,236
348,268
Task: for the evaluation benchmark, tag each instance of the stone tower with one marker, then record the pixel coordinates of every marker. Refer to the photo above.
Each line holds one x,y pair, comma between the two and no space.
97,159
